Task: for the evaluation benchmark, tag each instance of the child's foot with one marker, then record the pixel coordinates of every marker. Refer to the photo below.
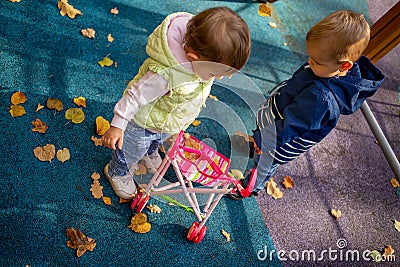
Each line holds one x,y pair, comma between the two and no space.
152,162
123,186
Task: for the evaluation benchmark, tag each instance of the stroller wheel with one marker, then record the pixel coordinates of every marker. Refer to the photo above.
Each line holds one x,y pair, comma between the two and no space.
192,231
200,235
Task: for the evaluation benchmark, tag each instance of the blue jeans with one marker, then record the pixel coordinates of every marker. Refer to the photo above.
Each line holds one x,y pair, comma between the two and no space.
266,167
137,143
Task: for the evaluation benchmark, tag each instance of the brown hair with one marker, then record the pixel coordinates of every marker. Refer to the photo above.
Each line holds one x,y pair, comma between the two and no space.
346,31
219,35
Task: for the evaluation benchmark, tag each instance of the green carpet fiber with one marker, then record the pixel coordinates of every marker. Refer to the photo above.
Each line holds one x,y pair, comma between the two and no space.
44,55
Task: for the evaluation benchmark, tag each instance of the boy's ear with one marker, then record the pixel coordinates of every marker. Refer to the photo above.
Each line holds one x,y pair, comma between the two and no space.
192,56
346,65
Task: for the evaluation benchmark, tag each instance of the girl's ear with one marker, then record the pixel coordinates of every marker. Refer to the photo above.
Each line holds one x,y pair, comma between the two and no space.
192,56
346,65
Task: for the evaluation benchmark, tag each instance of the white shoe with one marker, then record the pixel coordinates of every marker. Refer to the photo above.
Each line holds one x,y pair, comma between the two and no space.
152,162
123,186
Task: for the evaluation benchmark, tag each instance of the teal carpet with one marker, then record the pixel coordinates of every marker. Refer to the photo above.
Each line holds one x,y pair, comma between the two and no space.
45,56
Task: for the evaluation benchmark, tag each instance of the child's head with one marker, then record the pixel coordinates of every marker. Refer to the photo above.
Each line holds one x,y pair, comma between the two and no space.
336,42
218,35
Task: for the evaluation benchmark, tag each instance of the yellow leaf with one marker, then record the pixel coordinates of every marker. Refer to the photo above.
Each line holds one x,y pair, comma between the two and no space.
394,182
16,110
397,225
114,11
226,234
45,153
88,32
237,174
14,1
18,98
264,10
80,101
75,115
154,208
39,107
54,103
102,125
273,190
107,200
288,182
336,213
95,176
196,123
67,9
110,38
141,169
105,62
139,223
213,97
63,155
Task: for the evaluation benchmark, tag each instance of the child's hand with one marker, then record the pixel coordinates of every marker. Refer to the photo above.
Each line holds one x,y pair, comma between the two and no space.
113,136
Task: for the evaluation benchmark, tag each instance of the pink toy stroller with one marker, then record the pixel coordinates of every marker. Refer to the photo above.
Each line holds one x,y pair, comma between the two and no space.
194,163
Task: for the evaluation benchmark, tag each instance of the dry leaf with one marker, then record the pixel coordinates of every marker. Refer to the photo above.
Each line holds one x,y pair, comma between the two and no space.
110,38
114,11
80,101
97,141
105,62
226,234
75,115
18,98
264,10
141,169
288,182
388,251
107,200
40,126
96,189
394,182
54,103
154,208
102,125
95,176
397,225
250,139
272,24
273,190
336,213
237,174
121,200
213,97
77,240
88,32
14,1
39,107
67,9
139,223
63,155
45,153
196,123
17,111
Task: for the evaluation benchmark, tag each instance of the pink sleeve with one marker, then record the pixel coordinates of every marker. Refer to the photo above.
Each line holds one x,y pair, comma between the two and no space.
150,87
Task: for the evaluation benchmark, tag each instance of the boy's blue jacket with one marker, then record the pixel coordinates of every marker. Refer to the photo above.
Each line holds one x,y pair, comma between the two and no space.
306,107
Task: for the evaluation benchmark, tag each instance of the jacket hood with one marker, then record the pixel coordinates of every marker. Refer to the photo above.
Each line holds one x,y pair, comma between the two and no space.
360,82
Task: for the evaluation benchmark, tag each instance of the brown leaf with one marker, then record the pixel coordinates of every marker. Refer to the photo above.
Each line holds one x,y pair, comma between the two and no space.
96,189
95,176
227,235
96,141
102,125
114,11
139,223
45,153
154,208
54,103
18,98
88,32
388,251
40,126
17,111
264,10
63,155
288,182
141,169
213,97
67,9
110,38
39,107
80,101
77,240
273,190
394,182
